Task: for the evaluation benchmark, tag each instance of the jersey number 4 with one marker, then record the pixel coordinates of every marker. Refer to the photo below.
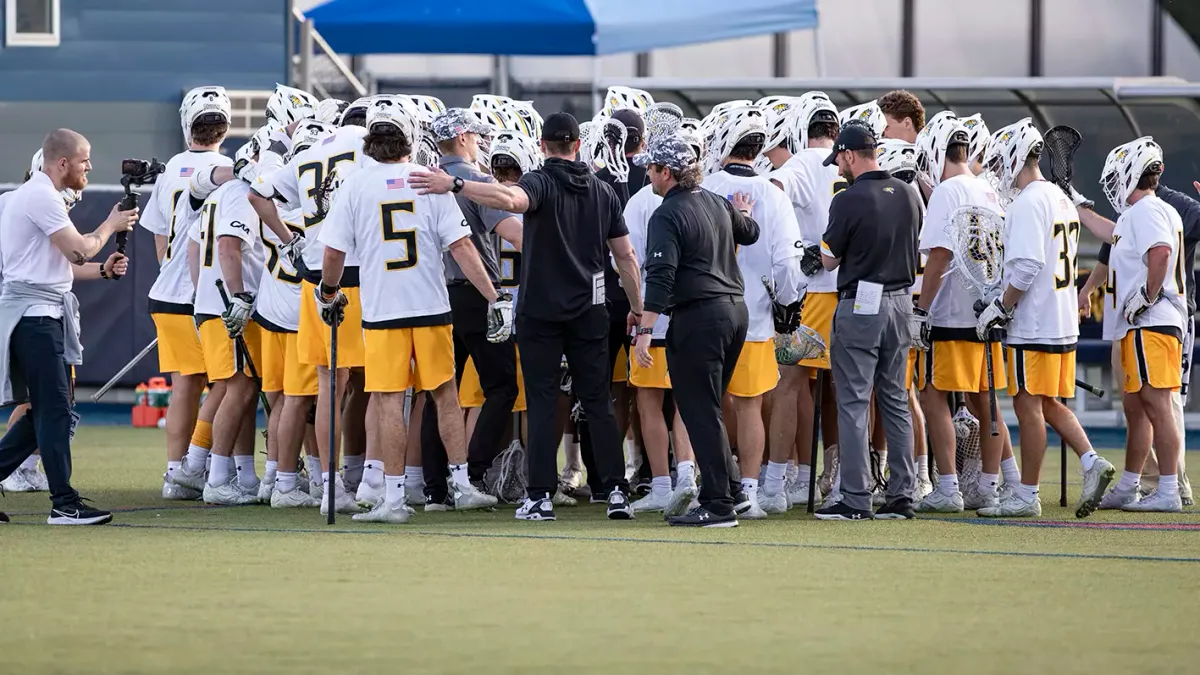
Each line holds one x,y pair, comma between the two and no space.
387,223
1067,255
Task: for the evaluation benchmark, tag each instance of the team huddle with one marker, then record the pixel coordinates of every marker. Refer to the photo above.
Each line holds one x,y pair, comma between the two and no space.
316,255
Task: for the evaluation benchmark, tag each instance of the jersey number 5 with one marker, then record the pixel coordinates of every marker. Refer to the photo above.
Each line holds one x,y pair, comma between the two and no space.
387,218
1067,254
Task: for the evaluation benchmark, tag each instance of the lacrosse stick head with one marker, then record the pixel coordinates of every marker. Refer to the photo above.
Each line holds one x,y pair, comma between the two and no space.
800,345
967,456
1124,168
611,149
977,235
1061,142
662,119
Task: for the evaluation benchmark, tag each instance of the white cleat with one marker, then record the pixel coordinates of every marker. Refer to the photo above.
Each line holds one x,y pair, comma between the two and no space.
468,497
229,494
293,499
316,489
343,503
773,503
978,499
652,502
368,497
266,489
414,496
940,502
562,499
1014,506
173,492
195,481
798,494
571,478
1157,502
755,511
16,483
681,498
36,478
1095,482
394,514
1119,499
924,487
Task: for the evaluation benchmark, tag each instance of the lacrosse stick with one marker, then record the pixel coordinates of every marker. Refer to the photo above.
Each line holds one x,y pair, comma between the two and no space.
240,343
323,195
1061,142
801,344
124,369
612,142
818,395
1062,466
977,234
331,489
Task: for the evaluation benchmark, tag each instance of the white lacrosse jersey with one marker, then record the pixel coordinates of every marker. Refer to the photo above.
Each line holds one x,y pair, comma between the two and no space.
638,210
1042,225
810,187
169,214
919,275
399,237
1149,223
227,213
953,307
299,180
278,300
774,257
510,265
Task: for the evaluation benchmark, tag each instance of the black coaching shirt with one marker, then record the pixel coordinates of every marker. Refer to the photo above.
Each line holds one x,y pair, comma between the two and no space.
873,228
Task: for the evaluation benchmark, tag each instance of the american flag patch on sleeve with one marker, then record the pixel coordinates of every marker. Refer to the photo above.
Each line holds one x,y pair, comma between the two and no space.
395,183
186,172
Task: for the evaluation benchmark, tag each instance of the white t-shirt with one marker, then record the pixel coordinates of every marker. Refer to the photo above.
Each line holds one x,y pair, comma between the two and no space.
227,213
1149,223
278,300
810,187
1042,225
31,214
776,254
953,307
399,237
3,200
922,259
169,214
637,218
298,181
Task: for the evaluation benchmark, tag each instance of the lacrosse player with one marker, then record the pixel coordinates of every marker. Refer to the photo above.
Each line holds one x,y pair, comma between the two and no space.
204,116
774,259
1038,306
978,136
903,115
943,322
407,334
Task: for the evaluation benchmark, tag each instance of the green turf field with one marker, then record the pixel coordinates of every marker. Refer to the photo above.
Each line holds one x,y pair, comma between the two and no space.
188,589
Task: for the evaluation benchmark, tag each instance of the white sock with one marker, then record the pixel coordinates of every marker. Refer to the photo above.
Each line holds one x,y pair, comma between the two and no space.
272,471
352,467
245,470
1169,485
1129,480
373,473
30,462
458,473
172,466
792,472
762,473
685,472
923,466
1010,471
395,489
573,452
220,471
803,474
1027,492
660,486
196,458
1087,459
988,483
948,484
414,478
750,486
776,473
314,466
285,481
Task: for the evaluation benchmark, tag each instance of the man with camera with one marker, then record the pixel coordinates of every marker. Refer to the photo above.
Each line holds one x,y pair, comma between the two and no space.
39,316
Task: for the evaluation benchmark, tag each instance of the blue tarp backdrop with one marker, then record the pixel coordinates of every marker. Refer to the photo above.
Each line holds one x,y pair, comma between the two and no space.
548,27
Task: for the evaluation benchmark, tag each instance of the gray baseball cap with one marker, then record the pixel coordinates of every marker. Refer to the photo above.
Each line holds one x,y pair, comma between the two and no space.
670,151
455,122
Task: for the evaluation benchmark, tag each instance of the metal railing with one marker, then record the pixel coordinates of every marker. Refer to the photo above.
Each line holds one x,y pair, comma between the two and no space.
319,69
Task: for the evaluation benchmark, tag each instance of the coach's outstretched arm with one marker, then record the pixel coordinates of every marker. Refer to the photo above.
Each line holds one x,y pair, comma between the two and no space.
79,248
512,199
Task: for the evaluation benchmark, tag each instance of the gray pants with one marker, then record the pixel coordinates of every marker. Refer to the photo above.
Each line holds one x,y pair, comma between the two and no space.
870,353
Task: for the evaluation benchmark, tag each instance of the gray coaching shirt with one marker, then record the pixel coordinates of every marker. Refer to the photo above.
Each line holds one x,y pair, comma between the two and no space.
481,219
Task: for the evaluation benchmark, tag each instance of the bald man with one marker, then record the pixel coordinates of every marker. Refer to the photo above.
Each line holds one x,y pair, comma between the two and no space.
42,254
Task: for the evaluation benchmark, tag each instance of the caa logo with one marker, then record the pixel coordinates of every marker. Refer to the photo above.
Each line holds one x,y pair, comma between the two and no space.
240,226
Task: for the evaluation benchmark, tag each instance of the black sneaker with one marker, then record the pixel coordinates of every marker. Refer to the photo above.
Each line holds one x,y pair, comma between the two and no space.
642,489
900,509
840,511
702,517
536,509
78,514
434,504
618,506
741,502
597,497
3,517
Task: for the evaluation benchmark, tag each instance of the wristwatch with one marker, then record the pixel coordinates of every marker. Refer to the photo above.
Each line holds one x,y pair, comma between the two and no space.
458,185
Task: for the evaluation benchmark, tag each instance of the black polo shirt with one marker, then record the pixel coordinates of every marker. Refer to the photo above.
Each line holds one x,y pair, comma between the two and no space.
1189,213
873,228
572,214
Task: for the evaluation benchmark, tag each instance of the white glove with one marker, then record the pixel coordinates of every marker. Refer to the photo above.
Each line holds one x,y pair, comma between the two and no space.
1138,303
918,327
500,318
292,250
1079,200
241,305
993,316
246,171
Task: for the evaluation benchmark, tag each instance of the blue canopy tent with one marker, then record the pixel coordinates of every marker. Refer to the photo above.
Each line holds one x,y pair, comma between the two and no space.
548,27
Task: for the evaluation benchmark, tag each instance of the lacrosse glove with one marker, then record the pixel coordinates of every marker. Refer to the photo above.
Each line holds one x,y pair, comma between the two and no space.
241,306
245,170
292,250
1138,303
810,262
500,318
993,315
1079,200
331,306
918,327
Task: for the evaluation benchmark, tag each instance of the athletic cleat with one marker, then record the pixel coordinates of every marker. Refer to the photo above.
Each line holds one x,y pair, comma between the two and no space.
294,499
195,481
561,498
369,497
702,517
446,504
981,500
798,494
900,509
839,511
1006,490
316,489
652,502
394,514
16,483
1014,506
571,478
680,500
1095,482
78,513
414,496
924,487
1157,502
941,502
619,507
535,509
741,502
35,478
229,494
467,498
173,492
1186,501
265,489
1118,499
754,511
342,503
773,503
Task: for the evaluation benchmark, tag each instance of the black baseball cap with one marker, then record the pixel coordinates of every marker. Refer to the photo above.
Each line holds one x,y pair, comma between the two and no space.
853,136
560,127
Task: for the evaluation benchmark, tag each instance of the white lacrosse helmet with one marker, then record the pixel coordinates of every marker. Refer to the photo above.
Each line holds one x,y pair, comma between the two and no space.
329,110
70,197
733,126
1125,166
357,107
289,104
869,113
662,119
773,100
395,112
690,124
898,158
781,122
204,104
430,106
813,107
519,147
627,97
310,132
979,136
248,152
1007,151
529,119
942,131
489,102
261,138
